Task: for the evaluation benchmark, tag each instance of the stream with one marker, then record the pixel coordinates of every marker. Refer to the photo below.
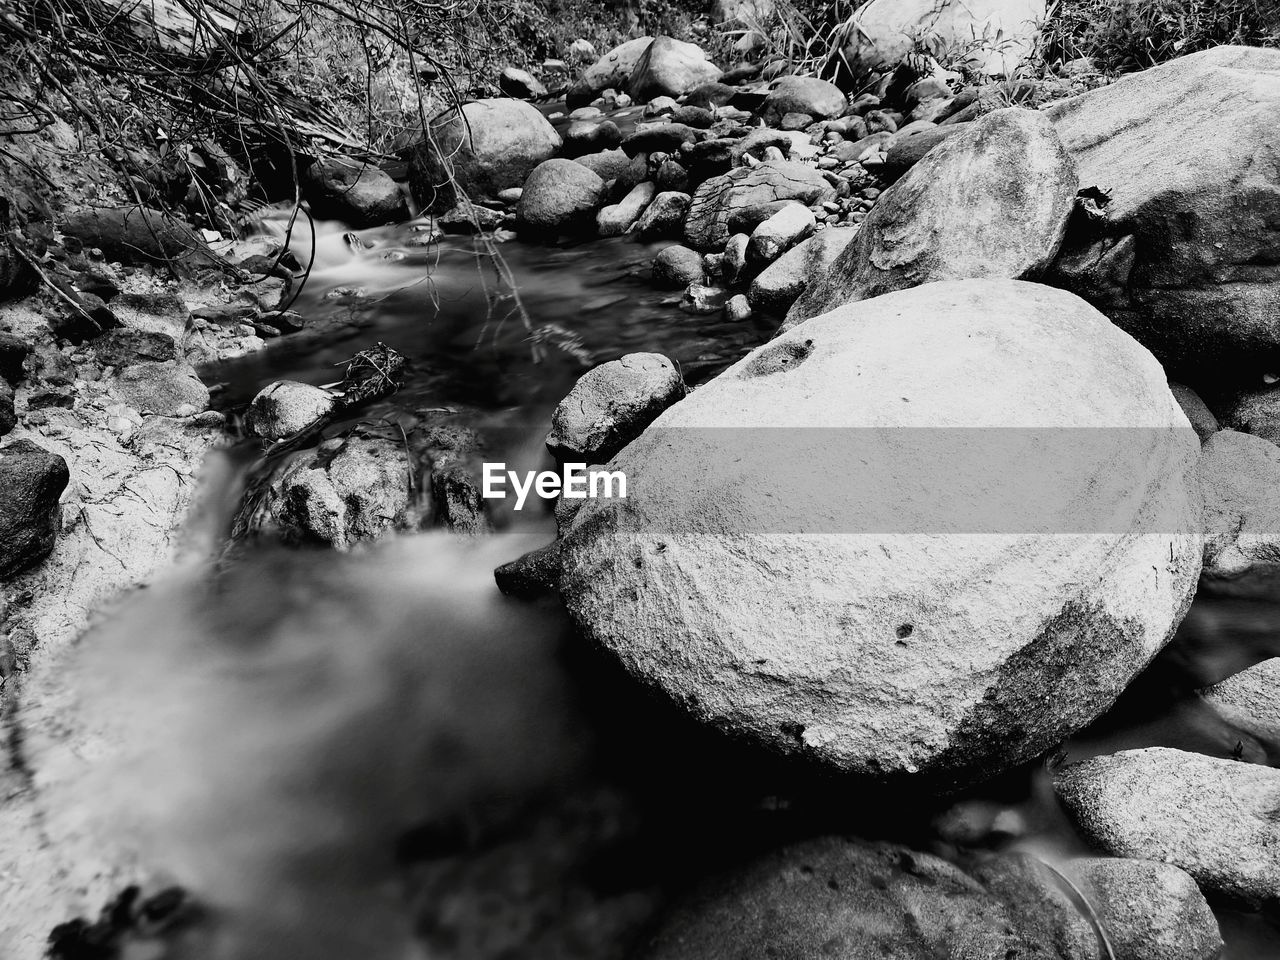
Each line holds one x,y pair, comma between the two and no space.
329,737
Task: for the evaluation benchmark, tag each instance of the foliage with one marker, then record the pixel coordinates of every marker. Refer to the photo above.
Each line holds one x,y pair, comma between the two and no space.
1127,35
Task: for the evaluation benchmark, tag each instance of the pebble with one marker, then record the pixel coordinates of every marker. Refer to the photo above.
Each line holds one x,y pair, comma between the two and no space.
738,308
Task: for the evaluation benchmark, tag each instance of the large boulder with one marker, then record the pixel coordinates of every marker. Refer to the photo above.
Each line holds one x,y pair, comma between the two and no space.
482,148
808,95
781,283
990,202
993,36
718,199
560,196
1188,259
611,405
670,68
1250,699
30,514
794,561
358,194
612,71
1213,818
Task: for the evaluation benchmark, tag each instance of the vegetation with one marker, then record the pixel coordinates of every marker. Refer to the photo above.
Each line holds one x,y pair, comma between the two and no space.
1127,35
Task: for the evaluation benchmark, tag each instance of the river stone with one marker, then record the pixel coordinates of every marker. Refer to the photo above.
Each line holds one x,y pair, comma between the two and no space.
783,230
534,574
1256,412
990,202
1211,817
808,95
617,166
677,266
486,146
905,151
781,283
355,490
123,346
670,68
1202,419
285,407
1250,699
612,71
161,388
611,405
617,218
137,235
992,36
358,194
560,196
935,658
590,136
1187,259
846,899
664,217
30,515
521,84
1239,478
1150,910
716,200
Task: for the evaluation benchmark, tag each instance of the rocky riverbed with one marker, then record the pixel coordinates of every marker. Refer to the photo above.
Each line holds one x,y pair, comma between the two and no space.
945,405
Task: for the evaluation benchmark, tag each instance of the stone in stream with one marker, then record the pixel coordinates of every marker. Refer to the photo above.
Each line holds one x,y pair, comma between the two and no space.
734,263
590,136
716,200
1211,817
482,148
1256,412
664,217
670,68
1185,260
285,407
560,196
775,236
161,388
521,84
344,492
358,194
817,622
852,899
611,405
30,515
617,166
990,202
904,152
1150,910
1239,477
534,574
1250,699
1202,419
660,137
121,347
993,36
677,266
617,218
738,308
781,283
808,95
612,71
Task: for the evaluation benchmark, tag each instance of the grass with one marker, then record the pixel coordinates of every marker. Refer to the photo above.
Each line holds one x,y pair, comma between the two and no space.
1127,35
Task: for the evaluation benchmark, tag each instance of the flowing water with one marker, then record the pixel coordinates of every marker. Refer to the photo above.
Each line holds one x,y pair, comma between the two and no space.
369,754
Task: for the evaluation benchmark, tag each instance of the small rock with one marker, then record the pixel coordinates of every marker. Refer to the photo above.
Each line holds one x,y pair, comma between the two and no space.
560,196
702,299
13,354
511,196
161,388
591,136
1202,420
664,217
119,348
33,480
611,405
616,219
1250,699
520,84
285,407
806,95
533,575
734,263
738,308
8,415
677,266
779,233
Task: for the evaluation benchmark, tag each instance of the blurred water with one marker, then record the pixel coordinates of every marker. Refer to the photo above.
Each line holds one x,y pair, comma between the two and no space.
376,755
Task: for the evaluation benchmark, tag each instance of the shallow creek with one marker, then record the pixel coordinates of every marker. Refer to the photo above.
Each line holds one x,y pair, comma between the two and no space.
329,737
